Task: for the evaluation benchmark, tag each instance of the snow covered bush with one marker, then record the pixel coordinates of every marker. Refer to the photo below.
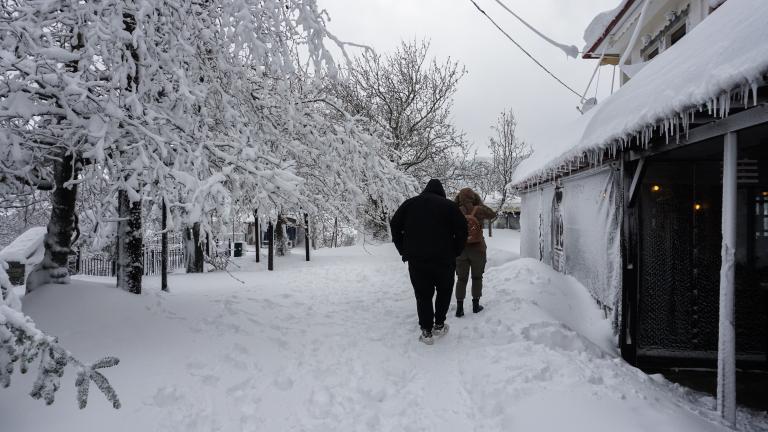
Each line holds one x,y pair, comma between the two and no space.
22,344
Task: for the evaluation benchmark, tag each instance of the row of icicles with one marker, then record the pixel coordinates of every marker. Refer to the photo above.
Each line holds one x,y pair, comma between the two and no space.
672,126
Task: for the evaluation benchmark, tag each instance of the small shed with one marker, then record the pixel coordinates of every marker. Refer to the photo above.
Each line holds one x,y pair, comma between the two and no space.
24,253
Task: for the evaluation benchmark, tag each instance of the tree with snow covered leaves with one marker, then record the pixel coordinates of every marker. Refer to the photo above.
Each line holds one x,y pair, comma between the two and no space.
173,101
507,152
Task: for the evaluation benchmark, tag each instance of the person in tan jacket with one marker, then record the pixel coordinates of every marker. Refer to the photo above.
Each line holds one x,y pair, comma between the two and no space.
473,258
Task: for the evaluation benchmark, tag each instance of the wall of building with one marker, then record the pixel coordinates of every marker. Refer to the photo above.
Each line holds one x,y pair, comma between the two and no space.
576,228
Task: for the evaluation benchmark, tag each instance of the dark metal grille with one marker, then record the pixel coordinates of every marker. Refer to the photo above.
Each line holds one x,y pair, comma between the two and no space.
680,239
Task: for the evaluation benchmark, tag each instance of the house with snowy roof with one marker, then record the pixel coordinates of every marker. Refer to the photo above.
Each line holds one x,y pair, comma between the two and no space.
656,198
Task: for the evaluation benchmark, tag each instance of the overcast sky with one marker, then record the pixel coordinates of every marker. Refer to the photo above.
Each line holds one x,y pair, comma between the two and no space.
499,76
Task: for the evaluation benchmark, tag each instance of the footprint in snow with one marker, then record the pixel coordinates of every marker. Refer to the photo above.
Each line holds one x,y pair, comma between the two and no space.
167,396
196,365
283,383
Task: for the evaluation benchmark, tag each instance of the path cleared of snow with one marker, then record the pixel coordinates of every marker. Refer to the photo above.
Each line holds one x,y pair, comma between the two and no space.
331,345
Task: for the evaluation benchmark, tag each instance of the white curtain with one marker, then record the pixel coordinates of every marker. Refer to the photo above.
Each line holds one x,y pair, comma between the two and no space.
592,215
591,211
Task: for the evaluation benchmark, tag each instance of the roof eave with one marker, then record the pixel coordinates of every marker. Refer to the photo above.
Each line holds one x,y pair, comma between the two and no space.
591,52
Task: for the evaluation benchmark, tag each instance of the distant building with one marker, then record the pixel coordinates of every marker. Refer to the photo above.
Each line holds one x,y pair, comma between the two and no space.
629,199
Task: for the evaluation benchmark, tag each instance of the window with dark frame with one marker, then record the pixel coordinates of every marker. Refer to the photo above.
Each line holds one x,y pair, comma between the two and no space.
677,35
761,215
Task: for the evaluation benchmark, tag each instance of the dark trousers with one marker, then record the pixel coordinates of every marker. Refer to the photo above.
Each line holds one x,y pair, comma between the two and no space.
428,277
471,259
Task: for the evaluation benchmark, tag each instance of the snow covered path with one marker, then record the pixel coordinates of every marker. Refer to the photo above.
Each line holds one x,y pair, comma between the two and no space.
332,345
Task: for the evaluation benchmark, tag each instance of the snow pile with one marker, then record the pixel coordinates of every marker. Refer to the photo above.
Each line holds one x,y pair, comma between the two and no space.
707,70
24,248
332,345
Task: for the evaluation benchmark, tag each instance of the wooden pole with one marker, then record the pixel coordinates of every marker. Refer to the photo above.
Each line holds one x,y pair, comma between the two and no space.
306,235
726,344
270,247
164,250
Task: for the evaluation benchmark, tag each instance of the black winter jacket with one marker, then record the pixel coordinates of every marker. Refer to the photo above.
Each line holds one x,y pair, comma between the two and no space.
429,227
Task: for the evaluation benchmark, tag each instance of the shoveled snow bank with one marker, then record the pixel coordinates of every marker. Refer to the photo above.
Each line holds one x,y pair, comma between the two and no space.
726,52
331,345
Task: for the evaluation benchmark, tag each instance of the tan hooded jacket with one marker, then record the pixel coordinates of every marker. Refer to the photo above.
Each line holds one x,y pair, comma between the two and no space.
467,199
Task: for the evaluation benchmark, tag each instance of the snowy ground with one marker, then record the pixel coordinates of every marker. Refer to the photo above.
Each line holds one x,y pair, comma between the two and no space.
332,345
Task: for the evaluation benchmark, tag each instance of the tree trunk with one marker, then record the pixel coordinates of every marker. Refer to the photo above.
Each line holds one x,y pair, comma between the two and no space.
194,249
61,227
63,221
377,221
280,240
164,250
130,266
490,227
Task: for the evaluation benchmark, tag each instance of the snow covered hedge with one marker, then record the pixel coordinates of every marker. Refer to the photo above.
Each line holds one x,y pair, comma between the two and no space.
22,344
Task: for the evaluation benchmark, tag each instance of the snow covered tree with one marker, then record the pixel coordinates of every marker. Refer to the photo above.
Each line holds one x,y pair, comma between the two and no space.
507,152
410,97
407,98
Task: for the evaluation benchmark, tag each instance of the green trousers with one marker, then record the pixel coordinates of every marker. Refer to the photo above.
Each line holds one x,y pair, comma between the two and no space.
471,260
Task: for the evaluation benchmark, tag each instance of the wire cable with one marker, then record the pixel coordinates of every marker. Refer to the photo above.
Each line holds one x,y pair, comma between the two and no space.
525,51
569,50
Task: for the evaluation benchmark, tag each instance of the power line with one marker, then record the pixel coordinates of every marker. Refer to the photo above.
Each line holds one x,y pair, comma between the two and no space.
525,51
569,50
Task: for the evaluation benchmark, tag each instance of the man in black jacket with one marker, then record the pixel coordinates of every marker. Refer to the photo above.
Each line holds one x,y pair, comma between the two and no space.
430,231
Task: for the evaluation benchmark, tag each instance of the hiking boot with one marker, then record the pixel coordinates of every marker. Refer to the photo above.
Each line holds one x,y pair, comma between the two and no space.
440,330
476,305
459,308
426,337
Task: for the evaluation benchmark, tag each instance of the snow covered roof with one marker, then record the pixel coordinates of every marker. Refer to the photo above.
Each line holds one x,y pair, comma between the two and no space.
601,25
25,246
726,52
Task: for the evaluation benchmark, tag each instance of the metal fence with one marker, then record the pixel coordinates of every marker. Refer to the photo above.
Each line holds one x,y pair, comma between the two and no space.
104,264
